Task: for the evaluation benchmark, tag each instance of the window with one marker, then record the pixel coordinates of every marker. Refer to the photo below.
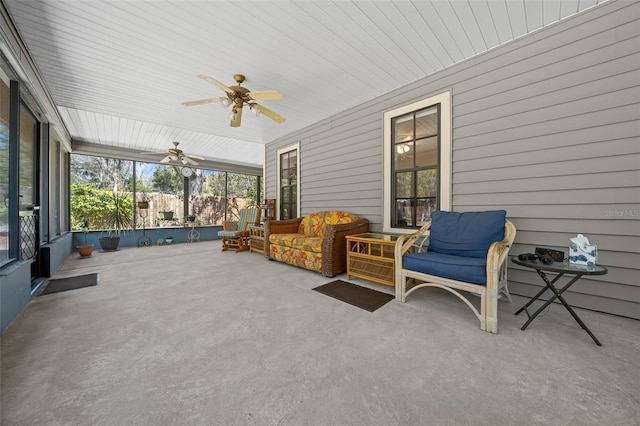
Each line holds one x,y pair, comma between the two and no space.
288,195
222,196
94,181
242,191
65,191
54,189
417,163
210,207
28,140
162,186
4,171
211,196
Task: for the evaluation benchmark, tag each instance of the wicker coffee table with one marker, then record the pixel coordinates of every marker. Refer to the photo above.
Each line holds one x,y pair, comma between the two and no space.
370,257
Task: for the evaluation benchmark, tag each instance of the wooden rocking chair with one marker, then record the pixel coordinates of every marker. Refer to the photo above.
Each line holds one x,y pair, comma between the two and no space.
235,235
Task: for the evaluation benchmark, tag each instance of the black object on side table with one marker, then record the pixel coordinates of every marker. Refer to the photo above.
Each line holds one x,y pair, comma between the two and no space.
561,269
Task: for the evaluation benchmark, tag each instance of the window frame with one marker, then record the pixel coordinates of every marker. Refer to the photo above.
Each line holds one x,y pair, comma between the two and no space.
279,152
445,154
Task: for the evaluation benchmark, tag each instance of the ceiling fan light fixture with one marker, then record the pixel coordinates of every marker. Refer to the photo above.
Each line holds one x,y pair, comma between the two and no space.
255,109
233,114
225,102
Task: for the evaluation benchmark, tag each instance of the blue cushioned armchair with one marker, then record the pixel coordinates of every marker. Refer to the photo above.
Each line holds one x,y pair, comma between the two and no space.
458,251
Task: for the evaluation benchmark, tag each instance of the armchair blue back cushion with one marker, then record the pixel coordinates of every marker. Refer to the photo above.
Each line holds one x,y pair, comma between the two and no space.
458,245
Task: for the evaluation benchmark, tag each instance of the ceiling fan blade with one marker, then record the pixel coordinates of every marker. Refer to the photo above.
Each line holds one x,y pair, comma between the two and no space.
266,111
197,157
186,160
151,153
238,118
215,83
265,95
203,101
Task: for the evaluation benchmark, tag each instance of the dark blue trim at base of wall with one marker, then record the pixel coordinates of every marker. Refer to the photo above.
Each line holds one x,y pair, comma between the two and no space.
16,288
15,292
132,238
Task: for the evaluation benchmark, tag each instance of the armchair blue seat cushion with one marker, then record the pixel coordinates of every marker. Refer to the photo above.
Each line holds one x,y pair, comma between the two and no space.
468,234
458,245
459,268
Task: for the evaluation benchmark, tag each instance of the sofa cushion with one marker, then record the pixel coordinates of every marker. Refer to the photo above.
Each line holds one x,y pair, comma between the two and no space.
302,258
297,241
314,223
468,234
313,244
285,240
459,268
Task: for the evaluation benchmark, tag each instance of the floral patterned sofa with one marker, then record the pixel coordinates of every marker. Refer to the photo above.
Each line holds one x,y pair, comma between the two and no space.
316,242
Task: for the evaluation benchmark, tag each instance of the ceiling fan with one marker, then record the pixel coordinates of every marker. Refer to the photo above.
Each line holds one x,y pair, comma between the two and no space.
176,154
237,96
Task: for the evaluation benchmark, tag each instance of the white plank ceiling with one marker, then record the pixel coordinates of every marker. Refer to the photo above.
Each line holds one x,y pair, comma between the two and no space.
118,71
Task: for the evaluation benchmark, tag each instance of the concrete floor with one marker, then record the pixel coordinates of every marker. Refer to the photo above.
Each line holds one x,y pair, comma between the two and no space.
187,335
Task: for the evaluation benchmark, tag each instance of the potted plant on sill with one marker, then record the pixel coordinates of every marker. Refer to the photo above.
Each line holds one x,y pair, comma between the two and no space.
118,217
85,250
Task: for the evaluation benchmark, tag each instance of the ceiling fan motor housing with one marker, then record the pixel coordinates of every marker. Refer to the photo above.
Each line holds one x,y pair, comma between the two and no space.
239,95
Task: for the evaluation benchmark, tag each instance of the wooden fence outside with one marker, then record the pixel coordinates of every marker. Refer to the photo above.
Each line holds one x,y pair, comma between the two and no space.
209,210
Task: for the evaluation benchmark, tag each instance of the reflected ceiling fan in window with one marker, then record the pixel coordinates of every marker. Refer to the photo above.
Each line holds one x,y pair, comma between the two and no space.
403,153
403,145
175,154
237,96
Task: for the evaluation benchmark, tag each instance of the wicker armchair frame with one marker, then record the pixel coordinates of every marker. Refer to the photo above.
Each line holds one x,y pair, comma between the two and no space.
496,275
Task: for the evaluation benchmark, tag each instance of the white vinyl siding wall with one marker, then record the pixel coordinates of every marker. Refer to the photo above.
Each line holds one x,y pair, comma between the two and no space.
546,127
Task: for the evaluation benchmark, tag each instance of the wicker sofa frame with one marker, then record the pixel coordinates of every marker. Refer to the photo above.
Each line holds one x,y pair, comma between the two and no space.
334,243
